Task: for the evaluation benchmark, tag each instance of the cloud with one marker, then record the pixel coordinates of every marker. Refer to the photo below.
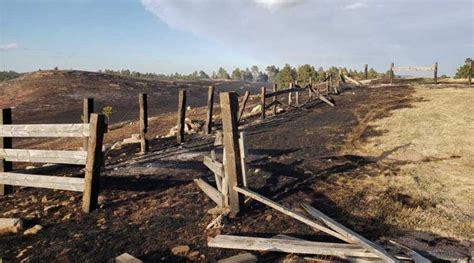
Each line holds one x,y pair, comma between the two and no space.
356,5
8,46
273,5
327,32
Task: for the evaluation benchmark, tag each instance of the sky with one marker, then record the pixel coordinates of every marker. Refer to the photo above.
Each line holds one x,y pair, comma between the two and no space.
167,36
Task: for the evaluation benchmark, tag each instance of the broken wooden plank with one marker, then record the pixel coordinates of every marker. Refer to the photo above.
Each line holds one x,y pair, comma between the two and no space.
353,81
410,252
217,177
288,246
321,97
44,156
45,130
349,234
243,157
242,106
127,258
432,68
213,165
241,258
210,191
288,212
42,181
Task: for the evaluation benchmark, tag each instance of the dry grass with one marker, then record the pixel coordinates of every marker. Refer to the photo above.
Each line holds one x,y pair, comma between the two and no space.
425,160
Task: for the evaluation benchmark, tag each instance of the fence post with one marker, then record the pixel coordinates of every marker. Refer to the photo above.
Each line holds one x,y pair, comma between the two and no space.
181,115
262,101
5,143
87,110
210,106
366,71
233,167
469,76
435,77
328,81
310,92
392,74
93,163
142,101
274,89
297,95
290,96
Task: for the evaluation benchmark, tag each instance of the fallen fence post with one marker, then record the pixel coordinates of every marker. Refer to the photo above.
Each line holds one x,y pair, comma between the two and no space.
181,115
93,163
210,106
366,71
275,98
5,143
143,103
242,106
233,168
392,74
435,73
351,235
262,101
247,192
87,110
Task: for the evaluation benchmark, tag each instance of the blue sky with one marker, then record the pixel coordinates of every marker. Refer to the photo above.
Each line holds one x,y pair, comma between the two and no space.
185,35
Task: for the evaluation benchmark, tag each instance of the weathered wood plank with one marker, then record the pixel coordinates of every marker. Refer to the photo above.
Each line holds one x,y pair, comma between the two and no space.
241,258
432,68
93,163
213,165
410,252
289,246
233,167
44,156
288,212
127,258
262,102
349,234
242,106
42,181
243,157
210,191
284,91
45,130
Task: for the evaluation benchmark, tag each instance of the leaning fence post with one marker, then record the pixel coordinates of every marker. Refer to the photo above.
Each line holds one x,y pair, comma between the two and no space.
142,100
262,101
297,95
310,92
93,163
233,169
87,110
181,115
392,74
366,71
435,72
242,106
5,143
469,76
210,106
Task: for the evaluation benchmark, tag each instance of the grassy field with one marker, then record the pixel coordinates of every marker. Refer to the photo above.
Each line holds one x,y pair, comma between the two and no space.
425,160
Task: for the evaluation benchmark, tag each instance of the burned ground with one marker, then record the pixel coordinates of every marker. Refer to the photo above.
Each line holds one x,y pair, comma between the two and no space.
150,205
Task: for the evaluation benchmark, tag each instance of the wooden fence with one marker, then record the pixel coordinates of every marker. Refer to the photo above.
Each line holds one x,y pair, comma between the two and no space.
91,158
433,68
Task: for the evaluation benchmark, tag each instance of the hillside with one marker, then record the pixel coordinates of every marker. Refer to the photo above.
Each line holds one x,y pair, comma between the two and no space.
56,96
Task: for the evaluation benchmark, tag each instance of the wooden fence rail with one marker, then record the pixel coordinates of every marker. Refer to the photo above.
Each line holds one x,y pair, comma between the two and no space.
92,158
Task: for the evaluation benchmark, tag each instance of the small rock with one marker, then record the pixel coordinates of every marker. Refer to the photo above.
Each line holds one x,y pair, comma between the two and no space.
10,225
268,217
180,250
67,217
257,170
29,167
33,231
44,199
